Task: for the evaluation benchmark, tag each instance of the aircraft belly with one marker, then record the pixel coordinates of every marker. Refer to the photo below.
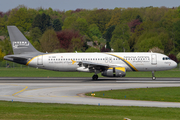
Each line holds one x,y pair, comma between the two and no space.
61,67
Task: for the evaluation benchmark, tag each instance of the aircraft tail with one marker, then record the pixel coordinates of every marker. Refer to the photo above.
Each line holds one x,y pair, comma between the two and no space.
19,42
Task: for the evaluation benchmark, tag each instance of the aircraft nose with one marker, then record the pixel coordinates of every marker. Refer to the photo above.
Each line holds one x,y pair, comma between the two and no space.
174,64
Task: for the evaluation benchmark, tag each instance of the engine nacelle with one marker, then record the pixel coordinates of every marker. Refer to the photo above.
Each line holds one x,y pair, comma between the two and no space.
83,69
115,72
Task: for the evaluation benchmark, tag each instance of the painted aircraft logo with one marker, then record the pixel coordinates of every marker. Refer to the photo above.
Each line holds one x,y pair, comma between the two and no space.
20,44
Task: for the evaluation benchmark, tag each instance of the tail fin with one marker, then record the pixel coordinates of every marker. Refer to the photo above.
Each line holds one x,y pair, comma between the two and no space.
19,42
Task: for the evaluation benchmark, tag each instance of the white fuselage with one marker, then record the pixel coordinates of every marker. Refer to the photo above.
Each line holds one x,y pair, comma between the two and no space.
131,61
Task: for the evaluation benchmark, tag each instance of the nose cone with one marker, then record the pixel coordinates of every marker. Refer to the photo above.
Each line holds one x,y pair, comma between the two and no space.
173,64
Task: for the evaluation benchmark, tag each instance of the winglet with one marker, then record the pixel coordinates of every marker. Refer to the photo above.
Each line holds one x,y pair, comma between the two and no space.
73,61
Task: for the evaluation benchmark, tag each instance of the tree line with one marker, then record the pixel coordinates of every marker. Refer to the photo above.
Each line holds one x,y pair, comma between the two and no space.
142,29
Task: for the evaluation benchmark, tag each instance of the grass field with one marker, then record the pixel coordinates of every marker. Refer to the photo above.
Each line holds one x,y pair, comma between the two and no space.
168,94
18,110
39,111
33,72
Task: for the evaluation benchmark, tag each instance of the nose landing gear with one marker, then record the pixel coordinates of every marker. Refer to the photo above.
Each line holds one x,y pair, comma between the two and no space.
153,77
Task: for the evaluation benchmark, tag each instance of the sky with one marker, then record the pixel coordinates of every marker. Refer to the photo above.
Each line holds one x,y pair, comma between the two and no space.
62,5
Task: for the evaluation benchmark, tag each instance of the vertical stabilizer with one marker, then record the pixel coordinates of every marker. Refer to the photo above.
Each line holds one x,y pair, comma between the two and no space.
19,42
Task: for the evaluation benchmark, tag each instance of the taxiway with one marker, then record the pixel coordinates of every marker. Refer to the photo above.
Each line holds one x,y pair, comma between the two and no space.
71,90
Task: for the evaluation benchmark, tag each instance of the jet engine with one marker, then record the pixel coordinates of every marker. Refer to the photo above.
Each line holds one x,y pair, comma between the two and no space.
115,72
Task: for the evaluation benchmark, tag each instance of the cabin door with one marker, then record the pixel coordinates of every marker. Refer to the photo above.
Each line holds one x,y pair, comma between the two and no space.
153,59
40,60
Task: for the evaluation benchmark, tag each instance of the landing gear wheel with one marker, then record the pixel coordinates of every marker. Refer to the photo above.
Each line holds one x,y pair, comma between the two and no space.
154,78
95,77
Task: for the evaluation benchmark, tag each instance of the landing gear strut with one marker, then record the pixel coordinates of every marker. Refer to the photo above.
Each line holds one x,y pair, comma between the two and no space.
95,77
153,77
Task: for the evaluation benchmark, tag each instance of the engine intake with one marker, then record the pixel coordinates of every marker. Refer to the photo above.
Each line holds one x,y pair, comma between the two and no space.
115,72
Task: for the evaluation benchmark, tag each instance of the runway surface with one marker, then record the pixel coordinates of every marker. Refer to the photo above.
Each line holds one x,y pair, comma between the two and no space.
71,90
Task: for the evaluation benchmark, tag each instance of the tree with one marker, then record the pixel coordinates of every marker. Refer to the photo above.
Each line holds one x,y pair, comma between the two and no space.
173,57
178,11
57,25
147,41
120,36
76,44
176,33
135,36
133,24
2,24
5,46
49,41
166,41
68,22
155,14
20,18
120,46
178,56
35,34
130,14
65,37
99,17
115,20
94,31
42,22
138,17
108,33
1,55
80,25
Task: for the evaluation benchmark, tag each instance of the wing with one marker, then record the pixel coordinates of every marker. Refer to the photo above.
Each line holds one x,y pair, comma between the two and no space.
95,66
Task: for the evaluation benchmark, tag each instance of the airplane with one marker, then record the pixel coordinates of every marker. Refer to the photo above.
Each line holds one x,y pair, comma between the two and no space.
110,64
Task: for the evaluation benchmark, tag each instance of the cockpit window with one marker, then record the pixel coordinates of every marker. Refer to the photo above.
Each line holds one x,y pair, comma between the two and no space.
166,58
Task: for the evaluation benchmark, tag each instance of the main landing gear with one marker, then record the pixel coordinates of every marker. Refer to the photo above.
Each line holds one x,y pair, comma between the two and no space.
95,77
153,77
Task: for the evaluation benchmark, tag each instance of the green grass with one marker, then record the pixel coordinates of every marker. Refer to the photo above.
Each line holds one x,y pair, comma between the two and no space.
33,72
168,94
39,111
